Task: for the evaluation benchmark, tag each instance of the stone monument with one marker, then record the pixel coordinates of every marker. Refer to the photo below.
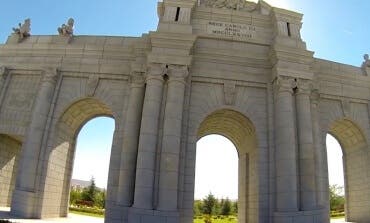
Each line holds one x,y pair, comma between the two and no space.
229,67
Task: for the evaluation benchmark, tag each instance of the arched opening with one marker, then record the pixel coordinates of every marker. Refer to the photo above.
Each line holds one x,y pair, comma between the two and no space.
10,148
241,132
94,142
61,152
355,159
336,177
216,173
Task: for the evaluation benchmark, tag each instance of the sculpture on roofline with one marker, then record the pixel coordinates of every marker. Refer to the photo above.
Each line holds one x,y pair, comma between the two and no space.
367,61
23,30
66,29
366,65
241,5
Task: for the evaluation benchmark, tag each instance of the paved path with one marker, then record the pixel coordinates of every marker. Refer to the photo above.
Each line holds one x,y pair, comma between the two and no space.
72,218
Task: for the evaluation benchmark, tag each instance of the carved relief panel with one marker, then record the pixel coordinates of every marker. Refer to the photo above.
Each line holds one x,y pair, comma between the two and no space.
18,102
241,5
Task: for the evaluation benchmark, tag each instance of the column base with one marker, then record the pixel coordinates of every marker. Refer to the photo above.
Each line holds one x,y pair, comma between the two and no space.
315,216
23,204
136,215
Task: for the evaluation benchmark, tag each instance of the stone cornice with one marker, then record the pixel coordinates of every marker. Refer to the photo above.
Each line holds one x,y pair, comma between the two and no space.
172,40
286,15
180,3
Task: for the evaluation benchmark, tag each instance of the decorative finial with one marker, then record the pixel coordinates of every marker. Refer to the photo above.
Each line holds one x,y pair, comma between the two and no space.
366,65
23,30
67,29
366,57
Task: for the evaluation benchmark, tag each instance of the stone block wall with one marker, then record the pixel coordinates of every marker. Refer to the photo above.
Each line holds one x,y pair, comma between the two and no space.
9,156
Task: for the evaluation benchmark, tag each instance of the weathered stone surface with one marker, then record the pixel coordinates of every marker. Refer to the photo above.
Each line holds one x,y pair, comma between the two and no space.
229,67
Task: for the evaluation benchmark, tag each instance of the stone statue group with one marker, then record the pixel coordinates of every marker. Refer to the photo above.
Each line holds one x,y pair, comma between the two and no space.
231,4
24,30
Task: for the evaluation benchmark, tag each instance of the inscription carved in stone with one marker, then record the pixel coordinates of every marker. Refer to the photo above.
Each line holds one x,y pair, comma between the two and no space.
231,29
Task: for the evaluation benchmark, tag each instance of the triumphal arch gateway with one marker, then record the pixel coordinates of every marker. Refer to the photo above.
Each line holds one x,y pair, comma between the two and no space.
229,67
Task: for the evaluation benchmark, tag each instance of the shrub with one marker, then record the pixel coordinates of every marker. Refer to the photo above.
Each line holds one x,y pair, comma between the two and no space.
87,210
207,219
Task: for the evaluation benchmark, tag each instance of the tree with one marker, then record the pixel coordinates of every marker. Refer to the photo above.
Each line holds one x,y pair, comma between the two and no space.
100,199
226,207
75,196
235,207
89,193
337,199
198,208
209,204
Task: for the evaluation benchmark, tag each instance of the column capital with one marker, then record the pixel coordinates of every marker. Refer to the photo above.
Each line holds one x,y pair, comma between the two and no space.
315,96
156,71
284,84
137,79
178,73
50,74
303,86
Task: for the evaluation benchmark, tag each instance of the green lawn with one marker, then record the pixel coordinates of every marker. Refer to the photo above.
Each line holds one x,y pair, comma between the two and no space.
86,213
230,219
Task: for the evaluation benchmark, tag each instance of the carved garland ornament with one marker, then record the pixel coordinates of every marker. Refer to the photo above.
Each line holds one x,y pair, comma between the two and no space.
241,5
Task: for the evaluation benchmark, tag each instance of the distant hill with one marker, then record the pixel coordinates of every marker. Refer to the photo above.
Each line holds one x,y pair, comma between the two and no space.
80,184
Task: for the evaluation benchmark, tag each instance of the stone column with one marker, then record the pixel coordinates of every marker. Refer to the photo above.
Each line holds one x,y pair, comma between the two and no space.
130,141
320,153
285,142
3,73
306,147
3,83
170,154
35,133
145,166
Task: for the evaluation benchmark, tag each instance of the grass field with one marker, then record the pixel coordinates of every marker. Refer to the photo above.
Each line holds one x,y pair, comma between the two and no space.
86,213
221,219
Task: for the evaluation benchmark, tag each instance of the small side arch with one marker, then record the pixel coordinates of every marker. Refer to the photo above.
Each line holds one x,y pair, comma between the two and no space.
60,154
355,166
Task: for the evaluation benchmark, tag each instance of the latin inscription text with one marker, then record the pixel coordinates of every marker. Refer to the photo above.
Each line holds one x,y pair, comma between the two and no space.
230,29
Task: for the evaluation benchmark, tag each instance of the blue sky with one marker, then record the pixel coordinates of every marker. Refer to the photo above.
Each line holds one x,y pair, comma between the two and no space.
334,30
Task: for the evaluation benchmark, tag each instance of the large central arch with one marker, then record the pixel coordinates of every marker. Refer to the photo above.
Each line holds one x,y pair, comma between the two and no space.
355,158
60,155
241,131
